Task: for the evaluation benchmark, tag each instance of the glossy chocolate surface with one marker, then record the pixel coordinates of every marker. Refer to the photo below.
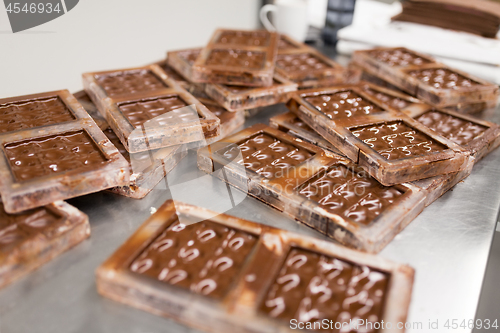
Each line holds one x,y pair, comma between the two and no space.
139,112
442,78
16,228
395,140
458,130
33,113
246,38
301,62
124,83
54,154
266,155
237,58
399,57
390,100
311,287
349,193
205,257
343,104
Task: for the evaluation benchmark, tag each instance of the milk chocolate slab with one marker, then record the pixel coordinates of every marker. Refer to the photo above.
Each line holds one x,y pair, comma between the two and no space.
226,274
237,57
323,190
390,146
148,110
425,78
309,68
57,153
32,238
292,125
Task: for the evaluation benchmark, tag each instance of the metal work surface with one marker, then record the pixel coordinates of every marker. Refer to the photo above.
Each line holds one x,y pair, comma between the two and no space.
447,244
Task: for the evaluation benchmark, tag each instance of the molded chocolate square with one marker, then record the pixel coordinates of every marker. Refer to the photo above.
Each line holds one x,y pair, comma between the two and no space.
309,68
56,155
237,57
32,238
425,78
478,136
322,190
226,274
148,110
390,146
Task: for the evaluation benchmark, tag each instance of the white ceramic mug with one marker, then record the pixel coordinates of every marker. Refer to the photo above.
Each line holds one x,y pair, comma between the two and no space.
289,17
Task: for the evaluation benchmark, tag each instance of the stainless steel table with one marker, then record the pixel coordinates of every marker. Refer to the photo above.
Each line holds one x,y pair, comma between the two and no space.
448,245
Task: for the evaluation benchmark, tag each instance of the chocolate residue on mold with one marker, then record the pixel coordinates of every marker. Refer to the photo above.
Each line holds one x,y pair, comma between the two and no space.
204,257
311,287
395,140
54,154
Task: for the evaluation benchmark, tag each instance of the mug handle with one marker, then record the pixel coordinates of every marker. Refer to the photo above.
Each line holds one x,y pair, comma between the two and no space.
263,16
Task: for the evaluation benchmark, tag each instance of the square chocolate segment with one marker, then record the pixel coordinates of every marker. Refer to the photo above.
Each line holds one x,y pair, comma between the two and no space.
33,237
460,131
311,287
204,257
300,62
442,78
246,38
343,104
123,83
236,58
248,277
395,140
350,193
138,112
267,155
45,156
33,113
399,57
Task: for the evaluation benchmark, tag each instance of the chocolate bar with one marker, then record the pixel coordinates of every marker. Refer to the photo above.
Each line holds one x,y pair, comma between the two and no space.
322,190
53,150
32,238
147,110
226,274
309,68
466,108
231,97
390,146
424,77
237,57
292,125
